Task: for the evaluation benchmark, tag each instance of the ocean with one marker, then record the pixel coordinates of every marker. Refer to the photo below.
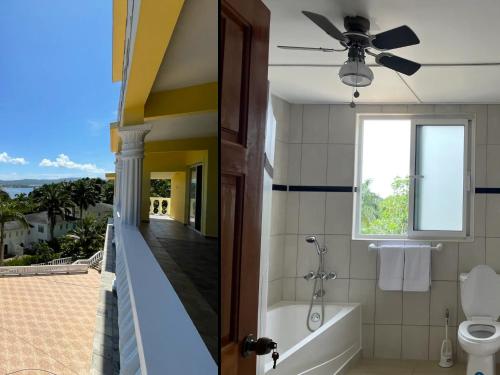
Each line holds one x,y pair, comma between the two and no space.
14,191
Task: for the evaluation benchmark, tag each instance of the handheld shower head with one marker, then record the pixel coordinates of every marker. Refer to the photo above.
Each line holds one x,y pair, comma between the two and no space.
312,239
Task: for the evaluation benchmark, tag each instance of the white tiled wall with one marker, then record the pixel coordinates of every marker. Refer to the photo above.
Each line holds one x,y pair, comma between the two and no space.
319,144
277,288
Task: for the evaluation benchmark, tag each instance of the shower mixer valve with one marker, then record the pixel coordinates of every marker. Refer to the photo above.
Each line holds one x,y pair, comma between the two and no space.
320,273
318,291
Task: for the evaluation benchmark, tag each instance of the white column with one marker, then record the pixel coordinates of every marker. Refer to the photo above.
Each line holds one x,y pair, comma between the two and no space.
118,171
132,154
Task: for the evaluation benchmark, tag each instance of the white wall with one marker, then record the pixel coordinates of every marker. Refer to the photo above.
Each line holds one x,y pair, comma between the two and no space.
317,148
277,233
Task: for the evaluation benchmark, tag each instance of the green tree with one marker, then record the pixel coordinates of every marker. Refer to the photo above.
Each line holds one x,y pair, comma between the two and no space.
85,193
9,211
4,195
108,192
391,213
56,200
369,205
25,202
160,188
86,239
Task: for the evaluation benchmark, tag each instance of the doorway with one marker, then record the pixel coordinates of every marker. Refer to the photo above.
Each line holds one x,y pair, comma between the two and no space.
195,196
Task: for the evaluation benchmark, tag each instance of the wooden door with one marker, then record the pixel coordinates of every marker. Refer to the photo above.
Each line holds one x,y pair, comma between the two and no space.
244,59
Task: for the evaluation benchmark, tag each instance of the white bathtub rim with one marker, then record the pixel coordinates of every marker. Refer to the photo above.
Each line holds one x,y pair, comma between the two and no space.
347,308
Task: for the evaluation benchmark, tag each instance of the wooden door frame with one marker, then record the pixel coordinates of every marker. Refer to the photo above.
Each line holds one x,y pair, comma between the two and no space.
247,146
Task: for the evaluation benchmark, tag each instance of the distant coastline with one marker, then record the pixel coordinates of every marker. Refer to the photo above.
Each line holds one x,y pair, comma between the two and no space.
31,183
13,191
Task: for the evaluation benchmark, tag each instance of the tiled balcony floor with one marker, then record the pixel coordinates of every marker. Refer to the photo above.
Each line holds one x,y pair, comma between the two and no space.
47,323
191,263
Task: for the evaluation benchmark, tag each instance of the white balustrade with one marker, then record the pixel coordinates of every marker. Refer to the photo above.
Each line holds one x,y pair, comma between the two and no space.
157,335
159,206
94,259
47,269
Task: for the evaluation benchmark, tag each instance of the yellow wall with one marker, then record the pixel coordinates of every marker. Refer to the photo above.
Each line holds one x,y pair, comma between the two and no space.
178,156
155,26
178,195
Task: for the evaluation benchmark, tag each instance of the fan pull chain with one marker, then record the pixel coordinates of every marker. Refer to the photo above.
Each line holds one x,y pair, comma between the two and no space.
355,94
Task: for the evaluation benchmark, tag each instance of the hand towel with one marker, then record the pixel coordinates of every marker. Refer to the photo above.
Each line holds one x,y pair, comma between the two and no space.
391,267
417,269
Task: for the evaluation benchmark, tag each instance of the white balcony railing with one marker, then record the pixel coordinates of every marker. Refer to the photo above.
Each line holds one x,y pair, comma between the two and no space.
47,269
156,334
94,259
159,206
66,260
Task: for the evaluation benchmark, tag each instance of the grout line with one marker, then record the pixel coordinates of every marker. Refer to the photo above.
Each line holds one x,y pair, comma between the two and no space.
41,350
66,283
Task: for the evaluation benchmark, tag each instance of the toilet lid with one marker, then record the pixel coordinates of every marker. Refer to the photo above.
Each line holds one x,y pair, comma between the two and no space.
480,293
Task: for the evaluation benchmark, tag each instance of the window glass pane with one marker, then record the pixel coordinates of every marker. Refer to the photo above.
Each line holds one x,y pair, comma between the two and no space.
439,166
385,168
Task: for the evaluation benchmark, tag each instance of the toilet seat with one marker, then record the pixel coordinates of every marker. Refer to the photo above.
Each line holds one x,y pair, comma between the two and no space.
479,336
480,331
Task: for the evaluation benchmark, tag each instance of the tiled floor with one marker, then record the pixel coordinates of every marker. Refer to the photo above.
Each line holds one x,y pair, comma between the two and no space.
404,367
191,263
47,323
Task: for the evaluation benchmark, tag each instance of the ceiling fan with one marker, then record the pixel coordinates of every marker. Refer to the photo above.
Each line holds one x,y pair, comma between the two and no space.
357,41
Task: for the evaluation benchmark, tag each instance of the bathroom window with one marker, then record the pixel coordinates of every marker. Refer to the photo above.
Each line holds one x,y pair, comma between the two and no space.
413,178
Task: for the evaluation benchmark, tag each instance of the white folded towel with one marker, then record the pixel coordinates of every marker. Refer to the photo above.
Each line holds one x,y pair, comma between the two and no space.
391,267
417,270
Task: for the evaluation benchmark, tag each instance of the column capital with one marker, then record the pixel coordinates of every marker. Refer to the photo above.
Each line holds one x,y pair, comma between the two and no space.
118,162
133,140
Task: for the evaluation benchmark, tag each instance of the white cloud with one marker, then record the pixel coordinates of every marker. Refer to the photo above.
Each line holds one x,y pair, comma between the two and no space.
63,161
6,158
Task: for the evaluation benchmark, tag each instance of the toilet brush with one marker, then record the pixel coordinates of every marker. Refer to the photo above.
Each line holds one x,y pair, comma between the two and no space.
446,348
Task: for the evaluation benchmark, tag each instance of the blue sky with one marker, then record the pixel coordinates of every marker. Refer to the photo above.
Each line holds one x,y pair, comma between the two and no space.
56,94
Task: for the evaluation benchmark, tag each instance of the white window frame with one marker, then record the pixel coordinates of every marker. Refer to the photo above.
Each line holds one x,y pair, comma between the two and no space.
467,234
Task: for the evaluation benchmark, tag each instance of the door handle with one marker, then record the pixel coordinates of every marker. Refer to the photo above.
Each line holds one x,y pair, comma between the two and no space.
261,346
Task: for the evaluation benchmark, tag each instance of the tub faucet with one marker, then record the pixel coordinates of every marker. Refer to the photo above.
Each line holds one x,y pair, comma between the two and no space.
329,276
310,276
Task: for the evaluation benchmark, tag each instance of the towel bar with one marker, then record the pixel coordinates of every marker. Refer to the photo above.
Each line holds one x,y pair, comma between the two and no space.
372,246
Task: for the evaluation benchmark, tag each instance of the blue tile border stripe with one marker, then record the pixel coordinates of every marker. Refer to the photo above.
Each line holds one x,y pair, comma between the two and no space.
280,187
347,189
487,190
350,189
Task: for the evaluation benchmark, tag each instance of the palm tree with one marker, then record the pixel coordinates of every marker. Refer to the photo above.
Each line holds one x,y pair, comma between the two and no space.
25,202
56,200
85,193
86,239
4,195
9,211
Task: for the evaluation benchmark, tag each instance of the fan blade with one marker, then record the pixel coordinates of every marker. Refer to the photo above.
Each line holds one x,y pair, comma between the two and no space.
401,36
320,49
325,24
397,63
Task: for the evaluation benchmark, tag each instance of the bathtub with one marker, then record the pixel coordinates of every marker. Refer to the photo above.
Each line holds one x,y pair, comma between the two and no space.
325,351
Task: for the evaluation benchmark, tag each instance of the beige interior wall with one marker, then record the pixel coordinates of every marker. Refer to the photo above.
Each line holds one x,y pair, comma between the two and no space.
178,193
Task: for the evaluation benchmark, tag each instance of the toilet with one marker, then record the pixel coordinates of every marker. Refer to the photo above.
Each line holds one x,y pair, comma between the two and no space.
479,335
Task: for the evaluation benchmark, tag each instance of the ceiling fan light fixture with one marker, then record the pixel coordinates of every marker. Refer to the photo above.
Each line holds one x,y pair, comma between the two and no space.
355,74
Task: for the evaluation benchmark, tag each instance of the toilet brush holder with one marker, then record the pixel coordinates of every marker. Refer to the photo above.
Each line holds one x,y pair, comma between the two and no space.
446,347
